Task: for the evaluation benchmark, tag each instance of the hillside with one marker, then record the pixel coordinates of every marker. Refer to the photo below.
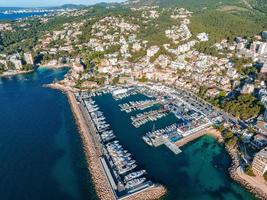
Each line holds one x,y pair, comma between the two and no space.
260,5
193,5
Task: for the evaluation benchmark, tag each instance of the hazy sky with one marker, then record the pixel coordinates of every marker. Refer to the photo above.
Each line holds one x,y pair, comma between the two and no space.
38,3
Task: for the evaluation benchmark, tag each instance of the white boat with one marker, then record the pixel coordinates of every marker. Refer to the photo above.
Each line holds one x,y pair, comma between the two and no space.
134,182
134,175
147,140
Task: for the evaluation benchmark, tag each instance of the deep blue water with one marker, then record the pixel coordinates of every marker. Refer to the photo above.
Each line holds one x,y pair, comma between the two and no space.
20,15
198,173
41,155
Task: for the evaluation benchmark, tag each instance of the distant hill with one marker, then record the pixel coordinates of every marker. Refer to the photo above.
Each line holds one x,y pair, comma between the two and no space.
65,6
72,6
189,4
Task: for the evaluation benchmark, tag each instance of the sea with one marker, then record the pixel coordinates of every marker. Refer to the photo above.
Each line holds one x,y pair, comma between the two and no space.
42,158
41,154
15,16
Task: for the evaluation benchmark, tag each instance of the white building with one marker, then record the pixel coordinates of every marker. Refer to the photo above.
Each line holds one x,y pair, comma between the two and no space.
28,58
119,91
152,51
203,37
247,89
259,164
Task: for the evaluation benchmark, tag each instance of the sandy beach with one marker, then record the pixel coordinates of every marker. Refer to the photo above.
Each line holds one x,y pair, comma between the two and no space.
99,178
55,66
12,73
255,185
210,131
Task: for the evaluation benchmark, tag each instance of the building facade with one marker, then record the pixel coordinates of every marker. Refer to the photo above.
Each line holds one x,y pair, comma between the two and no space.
259,164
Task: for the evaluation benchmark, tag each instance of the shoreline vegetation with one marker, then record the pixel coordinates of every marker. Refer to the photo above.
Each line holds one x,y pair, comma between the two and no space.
237,174
102,186
159,191
17,72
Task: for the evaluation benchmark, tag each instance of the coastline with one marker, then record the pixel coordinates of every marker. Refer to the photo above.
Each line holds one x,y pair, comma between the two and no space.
235,171
209,131
13,73
239,176
54,66
159,191
101,183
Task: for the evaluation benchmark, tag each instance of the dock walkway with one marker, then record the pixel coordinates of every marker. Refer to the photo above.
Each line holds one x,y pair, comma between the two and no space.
175,149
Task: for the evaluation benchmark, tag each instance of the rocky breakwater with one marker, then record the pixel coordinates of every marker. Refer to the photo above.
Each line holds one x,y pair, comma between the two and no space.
238,175
153,193
103,189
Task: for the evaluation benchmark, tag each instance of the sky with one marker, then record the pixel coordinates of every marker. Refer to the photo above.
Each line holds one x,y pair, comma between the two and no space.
40,3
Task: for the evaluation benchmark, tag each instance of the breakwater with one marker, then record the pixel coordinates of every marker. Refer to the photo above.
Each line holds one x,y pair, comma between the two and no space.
199,172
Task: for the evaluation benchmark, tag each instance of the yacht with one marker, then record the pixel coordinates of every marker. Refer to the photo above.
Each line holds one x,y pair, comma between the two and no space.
134,182
134,175
147,140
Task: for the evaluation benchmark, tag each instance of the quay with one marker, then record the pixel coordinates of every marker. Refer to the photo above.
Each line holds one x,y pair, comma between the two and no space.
113,161
193,116
103,188
145,117
137,105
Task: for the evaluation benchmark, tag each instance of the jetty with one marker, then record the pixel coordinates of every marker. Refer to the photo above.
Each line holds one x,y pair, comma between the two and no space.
145,117
113,161
137,105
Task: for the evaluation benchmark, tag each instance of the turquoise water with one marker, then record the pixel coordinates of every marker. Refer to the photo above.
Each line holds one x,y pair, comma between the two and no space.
41,156
198,173
20,15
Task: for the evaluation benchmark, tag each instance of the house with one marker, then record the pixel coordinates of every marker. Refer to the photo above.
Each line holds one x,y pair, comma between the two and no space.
28,58
259,141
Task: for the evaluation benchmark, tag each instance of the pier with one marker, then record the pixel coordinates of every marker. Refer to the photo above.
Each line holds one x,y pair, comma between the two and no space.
175,149
145,117
137,105
115,161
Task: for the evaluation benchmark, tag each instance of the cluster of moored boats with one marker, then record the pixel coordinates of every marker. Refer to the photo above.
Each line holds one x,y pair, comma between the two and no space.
166,132
120,160
124,95
99,120
124,163
137,105
145,117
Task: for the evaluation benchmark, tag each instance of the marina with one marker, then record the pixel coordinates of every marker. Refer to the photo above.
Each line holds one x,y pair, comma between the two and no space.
198,161
137,105
192,116
124,174
145,117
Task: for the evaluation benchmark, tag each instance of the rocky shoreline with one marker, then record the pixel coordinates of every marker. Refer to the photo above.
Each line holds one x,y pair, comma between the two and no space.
102,187
233,171
159,191
13,73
